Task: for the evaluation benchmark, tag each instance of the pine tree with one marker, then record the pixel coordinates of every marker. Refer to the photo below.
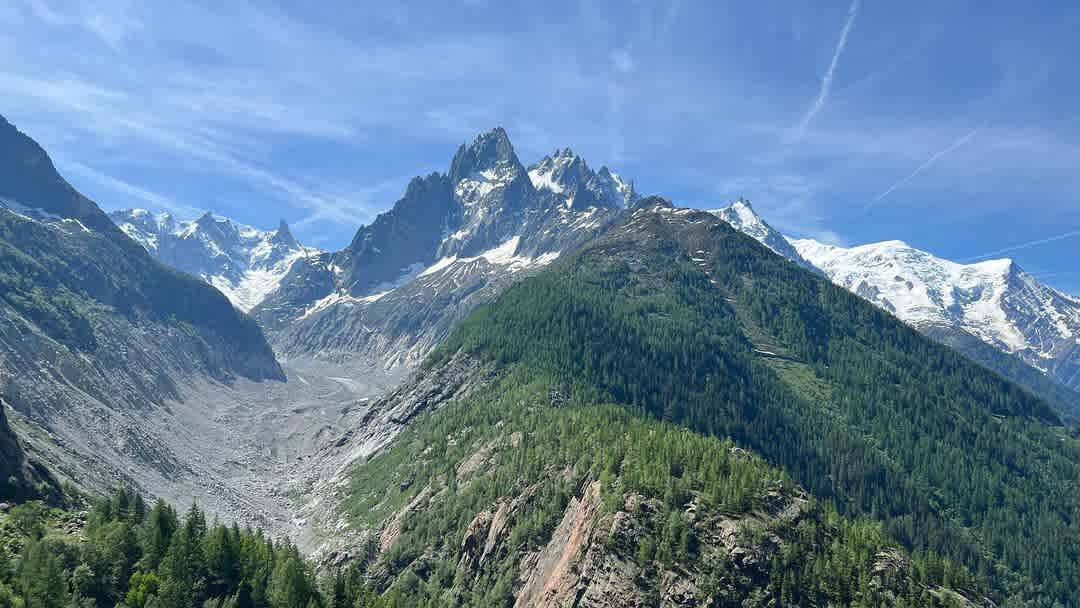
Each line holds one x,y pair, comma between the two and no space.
41,578
181,571
290,585
157,532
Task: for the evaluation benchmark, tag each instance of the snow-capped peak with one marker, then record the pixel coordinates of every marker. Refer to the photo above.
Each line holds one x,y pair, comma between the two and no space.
741,216
994,300
243,262
283,236
490,154
567,175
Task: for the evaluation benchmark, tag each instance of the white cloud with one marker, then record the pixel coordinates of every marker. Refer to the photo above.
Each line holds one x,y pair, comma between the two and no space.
830,72
154,199
43,11
244,92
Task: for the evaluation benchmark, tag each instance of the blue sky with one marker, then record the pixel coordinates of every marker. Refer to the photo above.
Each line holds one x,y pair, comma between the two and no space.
954,126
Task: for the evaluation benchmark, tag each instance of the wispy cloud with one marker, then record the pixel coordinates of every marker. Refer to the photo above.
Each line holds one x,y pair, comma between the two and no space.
153,199
194,97
293,110
1027,245
963,139
113,25
830,72
112,116
622,61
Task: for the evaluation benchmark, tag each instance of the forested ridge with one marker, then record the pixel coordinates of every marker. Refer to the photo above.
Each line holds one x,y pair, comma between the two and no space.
527,435
681,318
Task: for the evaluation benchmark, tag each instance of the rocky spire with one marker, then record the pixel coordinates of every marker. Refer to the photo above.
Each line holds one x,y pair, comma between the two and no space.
488,151
284,236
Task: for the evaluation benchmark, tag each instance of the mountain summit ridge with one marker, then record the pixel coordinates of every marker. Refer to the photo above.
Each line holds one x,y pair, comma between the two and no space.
243,262
453,241
742,216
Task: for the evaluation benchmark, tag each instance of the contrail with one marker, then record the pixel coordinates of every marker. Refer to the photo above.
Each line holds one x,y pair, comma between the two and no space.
827,79
1049,239
930,161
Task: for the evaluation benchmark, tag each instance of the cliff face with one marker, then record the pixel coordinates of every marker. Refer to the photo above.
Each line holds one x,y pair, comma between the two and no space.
20,478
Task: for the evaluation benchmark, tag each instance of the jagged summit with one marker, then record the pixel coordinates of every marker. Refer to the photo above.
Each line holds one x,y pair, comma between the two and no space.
576,185
283,236
451,242
489,151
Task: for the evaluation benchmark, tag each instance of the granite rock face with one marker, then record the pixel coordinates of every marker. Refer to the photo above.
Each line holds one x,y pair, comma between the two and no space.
454,241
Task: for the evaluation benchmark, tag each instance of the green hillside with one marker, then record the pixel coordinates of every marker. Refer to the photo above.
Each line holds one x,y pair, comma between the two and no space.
676,316
594,505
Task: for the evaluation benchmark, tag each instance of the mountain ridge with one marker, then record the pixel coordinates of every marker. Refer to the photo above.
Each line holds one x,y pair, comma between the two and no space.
453,241
995,300
676,318
742,216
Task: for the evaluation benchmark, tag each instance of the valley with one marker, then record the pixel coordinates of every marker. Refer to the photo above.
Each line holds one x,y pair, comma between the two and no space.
456,395
539,305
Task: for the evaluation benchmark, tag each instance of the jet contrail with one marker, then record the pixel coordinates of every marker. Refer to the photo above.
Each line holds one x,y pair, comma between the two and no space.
1049,239
827,79
930,161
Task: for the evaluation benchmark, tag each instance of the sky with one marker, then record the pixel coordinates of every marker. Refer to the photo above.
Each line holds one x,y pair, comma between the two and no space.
953,126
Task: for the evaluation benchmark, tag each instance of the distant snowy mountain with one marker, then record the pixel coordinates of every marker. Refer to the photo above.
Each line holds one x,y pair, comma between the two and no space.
244,263
742,217
992,311
996,301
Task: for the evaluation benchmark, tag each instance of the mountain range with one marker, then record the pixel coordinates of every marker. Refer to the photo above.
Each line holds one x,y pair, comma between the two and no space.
995,301
406,279
504,472
531,386
452,242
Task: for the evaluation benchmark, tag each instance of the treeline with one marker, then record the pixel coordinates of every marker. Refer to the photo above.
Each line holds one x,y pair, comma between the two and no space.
868,414
134,556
